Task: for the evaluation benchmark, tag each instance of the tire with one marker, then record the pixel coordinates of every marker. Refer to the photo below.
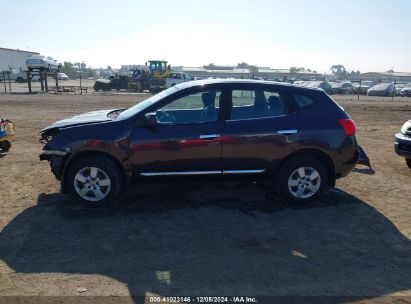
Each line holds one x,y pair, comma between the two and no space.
408,161
295,184
5,145
80,175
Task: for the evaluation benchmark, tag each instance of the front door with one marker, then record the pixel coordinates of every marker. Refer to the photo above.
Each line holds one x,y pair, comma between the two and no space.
184,141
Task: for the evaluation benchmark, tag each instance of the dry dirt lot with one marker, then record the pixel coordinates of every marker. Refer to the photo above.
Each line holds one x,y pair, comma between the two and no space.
205,239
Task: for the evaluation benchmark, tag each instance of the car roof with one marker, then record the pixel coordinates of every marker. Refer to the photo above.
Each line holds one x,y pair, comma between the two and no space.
203,82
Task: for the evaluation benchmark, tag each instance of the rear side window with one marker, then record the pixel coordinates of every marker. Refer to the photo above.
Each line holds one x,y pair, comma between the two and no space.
251,104
303,101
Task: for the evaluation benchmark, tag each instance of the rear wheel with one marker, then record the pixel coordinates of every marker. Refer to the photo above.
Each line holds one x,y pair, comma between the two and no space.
408,161
94,181
302,180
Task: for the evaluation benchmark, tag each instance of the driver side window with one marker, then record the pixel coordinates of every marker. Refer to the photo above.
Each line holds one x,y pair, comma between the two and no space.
198,107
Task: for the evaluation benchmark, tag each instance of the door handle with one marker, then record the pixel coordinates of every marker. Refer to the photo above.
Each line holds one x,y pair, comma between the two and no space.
287,132
209,136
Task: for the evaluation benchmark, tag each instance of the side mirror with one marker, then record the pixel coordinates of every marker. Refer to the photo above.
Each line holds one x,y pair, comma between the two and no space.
151,118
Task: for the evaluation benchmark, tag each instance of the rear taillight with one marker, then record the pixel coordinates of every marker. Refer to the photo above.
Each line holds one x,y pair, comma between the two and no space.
348,125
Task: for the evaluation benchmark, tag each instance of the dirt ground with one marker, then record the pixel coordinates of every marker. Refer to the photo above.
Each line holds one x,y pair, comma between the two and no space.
207,239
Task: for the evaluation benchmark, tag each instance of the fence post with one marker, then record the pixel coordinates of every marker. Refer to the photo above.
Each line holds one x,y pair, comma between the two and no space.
8,76
4,82
29,81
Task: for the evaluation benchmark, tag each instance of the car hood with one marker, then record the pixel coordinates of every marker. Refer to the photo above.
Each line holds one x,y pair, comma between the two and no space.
82,119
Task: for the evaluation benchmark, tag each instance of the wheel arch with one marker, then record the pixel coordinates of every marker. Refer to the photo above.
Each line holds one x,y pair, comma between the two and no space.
88,153
318,155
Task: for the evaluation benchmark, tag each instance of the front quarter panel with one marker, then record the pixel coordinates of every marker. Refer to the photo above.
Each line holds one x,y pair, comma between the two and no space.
111,138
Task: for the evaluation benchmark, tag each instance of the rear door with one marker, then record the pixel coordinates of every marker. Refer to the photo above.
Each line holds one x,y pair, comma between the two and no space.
260,129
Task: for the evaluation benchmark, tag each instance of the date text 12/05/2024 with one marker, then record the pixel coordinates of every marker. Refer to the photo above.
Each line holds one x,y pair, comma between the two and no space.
240,299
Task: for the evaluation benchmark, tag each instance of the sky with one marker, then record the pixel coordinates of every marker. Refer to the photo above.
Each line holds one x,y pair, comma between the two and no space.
365,35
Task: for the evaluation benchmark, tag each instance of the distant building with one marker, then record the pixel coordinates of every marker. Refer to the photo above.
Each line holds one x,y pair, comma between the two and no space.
202,72
220,71
11,59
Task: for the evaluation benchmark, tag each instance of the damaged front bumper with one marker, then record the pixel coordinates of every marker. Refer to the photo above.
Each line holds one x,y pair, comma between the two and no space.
46,154
56,158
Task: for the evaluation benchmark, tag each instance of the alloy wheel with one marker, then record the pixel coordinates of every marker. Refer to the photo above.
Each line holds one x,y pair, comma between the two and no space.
92,184
304,182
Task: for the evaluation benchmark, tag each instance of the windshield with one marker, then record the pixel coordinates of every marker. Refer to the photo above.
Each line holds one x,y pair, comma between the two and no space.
146,103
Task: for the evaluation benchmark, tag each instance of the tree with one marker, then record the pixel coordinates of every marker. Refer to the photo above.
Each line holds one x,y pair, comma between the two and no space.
210,66
295,70
245,65
91,73
68,69
338,70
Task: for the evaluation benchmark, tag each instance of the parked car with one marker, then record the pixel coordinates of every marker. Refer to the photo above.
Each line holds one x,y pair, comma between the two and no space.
42,63
62,76
382,89
21,79
362,87
345,87
177,77
296,137
111,82
13,75
402,144
405,92
325,85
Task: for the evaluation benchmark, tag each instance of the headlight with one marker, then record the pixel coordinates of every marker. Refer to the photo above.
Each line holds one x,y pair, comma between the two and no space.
405,128
48,135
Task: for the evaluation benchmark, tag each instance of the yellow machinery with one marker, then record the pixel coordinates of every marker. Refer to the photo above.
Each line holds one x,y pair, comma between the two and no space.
7,131
159,68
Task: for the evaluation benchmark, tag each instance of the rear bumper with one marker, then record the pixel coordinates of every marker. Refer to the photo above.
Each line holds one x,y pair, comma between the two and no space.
347,158
402,145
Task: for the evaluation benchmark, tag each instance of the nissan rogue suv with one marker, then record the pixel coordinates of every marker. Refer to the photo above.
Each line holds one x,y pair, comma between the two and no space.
296,137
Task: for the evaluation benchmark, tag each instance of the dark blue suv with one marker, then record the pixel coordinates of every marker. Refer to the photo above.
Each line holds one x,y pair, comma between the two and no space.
298,138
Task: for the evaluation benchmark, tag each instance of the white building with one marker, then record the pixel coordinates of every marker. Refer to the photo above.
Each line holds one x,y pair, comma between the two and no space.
11,59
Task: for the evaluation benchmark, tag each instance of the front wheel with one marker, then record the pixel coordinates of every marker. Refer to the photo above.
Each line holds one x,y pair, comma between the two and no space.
302,180
408,161
5,145
94,181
